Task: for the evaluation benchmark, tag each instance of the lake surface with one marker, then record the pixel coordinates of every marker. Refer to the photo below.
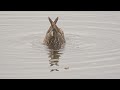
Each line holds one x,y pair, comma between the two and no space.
92,47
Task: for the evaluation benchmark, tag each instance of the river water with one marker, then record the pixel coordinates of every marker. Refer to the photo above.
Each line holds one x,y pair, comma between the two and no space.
92,47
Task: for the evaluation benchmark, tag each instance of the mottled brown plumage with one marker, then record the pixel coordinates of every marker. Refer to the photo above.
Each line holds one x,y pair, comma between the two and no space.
54,38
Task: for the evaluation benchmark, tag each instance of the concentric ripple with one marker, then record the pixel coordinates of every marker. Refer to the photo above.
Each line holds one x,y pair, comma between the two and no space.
92,48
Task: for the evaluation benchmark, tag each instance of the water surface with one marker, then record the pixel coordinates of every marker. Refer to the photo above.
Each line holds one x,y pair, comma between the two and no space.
92,47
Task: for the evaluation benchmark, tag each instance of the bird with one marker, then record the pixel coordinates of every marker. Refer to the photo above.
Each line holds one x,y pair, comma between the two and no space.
54,38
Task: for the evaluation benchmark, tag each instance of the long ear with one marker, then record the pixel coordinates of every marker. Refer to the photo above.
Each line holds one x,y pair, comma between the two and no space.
50,20
56,20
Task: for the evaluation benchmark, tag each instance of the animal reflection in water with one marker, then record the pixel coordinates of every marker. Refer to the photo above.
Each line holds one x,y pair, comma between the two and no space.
55,40
54,60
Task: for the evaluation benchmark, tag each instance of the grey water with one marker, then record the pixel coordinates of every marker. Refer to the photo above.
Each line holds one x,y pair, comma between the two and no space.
92,47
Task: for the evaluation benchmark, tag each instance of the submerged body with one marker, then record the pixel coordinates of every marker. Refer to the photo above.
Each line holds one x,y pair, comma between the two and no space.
54,38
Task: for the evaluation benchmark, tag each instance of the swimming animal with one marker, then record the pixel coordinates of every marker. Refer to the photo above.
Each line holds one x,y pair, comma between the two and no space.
54,38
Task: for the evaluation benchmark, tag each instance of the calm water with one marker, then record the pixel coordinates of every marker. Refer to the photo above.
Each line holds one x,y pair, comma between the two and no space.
92,47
